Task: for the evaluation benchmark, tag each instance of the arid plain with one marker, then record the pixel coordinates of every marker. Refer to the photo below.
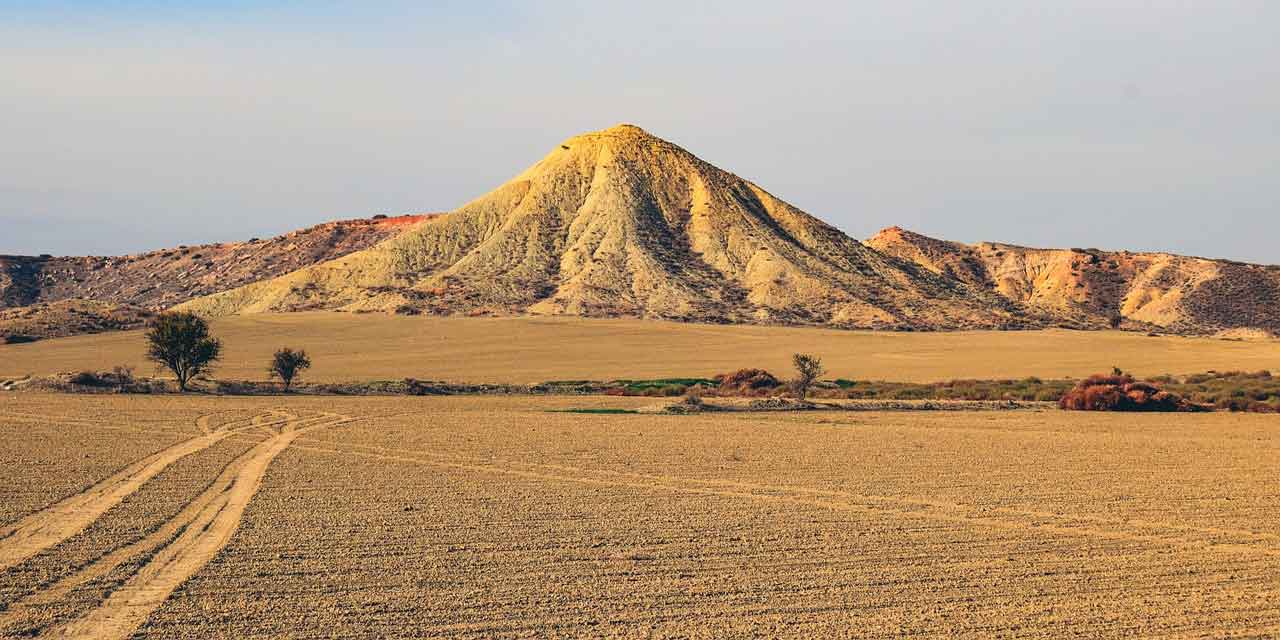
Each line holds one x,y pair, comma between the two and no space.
359,347
187,517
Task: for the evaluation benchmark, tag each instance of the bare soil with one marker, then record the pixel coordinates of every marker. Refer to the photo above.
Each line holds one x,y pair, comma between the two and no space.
499,517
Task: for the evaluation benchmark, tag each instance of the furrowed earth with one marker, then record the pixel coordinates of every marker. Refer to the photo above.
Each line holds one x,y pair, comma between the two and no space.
317,517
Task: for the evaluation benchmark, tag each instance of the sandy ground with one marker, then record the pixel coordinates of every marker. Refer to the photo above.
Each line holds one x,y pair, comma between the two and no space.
484,517
349,347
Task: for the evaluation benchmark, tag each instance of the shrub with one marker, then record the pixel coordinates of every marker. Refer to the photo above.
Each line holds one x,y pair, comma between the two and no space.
119,379
747,382
1122,393
808,370
88,379
1261,407
286,364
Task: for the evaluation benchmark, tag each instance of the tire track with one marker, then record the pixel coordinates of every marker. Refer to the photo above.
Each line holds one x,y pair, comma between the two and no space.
19,614
51,525
933,510
182,546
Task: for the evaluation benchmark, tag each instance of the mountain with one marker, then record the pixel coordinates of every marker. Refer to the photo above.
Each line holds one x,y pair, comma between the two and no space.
621,223
1089,288
47,296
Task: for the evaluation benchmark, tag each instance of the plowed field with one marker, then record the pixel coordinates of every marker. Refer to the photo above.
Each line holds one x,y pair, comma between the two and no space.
173,517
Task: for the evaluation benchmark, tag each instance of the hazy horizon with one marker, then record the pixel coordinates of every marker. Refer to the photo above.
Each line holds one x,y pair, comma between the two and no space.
148,125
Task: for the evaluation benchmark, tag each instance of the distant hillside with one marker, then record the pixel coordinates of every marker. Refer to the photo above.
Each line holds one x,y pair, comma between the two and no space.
125,286
67,318
621,223
1090,288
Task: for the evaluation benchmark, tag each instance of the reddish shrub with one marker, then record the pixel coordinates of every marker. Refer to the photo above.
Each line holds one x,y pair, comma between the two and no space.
747,382
1122,393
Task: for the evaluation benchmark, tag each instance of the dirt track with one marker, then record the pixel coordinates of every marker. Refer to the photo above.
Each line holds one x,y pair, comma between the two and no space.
50,526
170,554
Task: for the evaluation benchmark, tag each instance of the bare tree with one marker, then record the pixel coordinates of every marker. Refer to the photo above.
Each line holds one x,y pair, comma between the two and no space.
287,364
180,341
808,370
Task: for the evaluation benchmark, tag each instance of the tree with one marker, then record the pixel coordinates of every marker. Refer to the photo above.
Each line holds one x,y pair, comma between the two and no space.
808,369
181,342
286,365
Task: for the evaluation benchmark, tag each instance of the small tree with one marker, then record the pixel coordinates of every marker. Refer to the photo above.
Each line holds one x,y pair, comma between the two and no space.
180,341
286,365
808,369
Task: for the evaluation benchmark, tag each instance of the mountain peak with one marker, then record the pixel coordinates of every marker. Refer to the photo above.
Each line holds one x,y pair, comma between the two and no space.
619,222
625,128
624,133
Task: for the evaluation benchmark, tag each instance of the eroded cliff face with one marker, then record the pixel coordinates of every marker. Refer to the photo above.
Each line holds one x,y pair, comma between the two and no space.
1093,288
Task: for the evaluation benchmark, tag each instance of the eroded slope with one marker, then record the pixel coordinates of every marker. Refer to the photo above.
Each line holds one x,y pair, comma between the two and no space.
621,223
160,279
1091,288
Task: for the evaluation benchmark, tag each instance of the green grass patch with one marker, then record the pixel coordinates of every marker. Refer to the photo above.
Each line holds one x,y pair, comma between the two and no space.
662,384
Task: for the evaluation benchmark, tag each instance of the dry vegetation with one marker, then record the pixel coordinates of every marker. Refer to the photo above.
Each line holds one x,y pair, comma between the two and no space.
1120,392
483,517
358,348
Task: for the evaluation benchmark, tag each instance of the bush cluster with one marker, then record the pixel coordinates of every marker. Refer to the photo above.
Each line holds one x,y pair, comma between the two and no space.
1119,392
1232,391
118,380
1257,391
747,382
1026,389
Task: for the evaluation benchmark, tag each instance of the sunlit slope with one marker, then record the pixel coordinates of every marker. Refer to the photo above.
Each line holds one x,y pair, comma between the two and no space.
621,223
1090,288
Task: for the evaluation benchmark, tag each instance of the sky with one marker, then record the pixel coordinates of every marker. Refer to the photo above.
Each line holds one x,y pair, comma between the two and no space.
127,126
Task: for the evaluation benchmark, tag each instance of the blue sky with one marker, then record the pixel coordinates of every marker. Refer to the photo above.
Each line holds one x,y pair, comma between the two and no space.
1140,125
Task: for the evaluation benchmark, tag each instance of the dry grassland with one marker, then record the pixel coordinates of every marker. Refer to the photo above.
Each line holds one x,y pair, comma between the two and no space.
349,347
483,517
